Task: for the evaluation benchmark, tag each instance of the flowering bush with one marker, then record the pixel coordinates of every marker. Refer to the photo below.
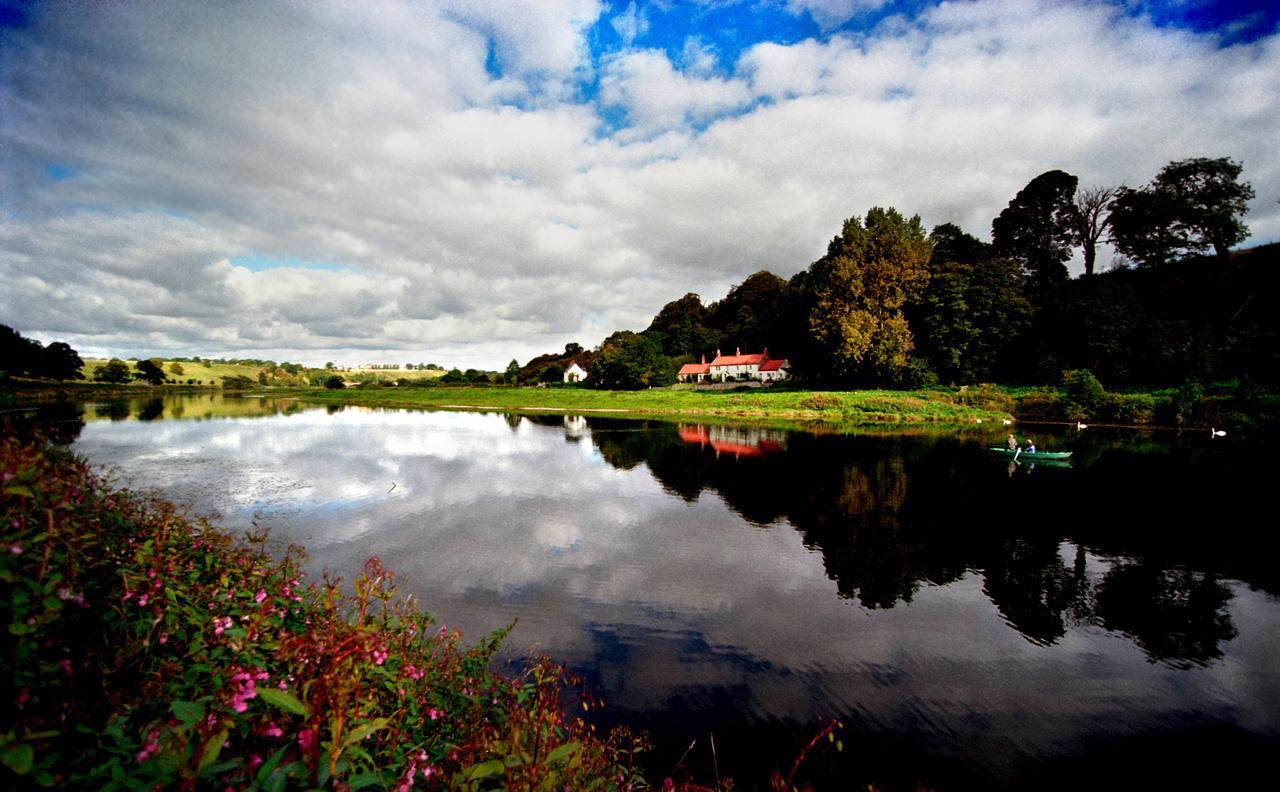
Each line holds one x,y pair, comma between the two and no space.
145,649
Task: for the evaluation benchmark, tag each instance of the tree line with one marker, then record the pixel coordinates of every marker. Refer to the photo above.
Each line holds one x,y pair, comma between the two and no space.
890,304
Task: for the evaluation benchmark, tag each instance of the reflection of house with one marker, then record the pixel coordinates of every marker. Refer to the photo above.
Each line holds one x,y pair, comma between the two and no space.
736,367
575,373
737,441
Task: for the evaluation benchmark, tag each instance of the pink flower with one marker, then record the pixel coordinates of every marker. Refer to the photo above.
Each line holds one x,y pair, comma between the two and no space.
434,714
15,548
142,601
149,750
220,624
307,739
260,596
272,730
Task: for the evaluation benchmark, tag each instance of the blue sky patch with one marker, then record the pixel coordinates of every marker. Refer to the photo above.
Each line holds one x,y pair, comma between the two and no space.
256,262
56,172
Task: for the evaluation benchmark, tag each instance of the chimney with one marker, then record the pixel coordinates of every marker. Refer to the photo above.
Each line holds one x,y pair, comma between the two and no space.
717,351
738,352
704,360
765,354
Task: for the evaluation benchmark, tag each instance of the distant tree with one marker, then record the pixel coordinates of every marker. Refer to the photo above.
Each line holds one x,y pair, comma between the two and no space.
970,318
1144,227
1038,229
631,361
207,363
176,369
573,349
334,382
952,244
26,357
552,373
453,375
857,292
1192,205
328,366
1091,220
752,314
114,371
60,362
682,325
148,371
262,378
512,372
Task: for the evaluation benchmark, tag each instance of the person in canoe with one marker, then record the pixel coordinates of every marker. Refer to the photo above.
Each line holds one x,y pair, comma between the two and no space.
1030,447
1012,443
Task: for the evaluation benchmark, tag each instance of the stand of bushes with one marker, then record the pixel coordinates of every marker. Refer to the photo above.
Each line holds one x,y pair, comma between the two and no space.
1081,397
143,649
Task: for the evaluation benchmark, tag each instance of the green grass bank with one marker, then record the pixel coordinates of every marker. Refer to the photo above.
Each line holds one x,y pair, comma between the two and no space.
802,406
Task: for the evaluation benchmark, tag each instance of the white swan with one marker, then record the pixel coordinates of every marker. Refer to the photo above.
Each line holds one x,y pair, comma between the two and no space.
1217,433
1081,426
1007,422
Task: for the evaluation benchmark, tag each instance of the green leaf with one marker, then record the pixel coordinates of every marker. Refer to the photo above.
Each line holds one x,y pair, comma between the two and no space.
364,730
285,701
363,780
19,758
487,769
188,712
269,766
211,750
562,752
19,489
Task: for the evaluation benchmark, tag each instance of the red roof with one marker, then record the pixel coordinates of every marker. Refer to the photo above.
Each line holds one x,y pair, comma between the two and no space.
738,360
695,368
772,365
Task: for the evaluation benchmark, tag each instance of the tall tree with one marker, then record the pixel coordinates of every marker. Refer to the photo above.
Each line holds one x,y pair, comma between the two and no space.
1209,200
1191,205
1037,229
857,292
149,371
750,314
682,325
631,361
1091,221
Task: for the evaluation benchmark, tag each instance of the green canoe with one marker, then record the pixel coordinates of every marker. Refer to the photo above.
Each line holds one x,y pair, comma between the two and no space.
1036,455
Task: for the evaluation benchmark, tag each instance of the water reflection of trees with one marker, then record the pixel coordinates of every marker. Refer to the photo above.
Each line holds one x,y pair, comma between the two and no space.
890,515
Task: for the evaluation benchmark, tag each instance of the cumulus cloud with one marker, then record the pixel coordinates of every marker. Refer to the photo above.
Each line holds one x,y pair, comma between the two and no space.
491,186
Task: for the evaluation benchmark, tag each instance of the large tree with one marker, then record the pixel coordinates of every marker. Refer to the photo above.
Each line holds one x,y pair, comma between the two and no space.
682,327
856,294
1191,205
1037,229
631,361
751,314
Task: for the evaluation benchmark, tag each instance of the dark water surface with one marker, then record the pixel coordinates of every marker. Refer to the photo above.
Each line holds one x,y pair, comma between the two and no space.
972,624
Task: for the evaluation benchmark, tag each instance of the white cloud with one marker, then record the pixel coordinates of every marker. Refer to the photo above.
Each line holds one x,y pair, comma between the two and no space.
483,217
832,13
630,24
657,96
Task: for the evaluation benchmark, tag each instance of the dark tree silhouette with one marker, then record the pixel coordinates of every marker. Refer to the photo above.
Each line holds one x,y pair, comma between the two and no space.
1037,229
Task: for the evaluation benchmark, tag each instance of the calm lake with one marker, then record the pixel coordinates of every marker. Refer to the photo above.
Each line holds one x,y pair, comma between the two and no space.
973,624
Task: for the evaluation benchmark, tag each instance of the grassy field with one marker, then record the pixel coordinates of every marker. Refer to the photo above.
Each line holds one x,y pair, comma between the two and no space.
211,373
850,407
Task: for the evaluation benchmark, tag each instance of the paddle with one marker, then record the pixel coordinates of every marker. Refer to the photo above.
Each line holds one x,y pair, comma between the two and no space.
1015,454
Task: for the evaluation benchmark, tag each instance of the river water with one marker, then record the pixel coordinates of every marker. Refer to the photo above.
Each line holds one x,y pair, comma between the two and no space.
972,623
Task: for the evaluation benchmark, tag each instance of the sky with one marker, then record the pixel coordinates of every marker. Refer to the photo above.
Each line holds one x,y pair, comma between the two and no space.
470,181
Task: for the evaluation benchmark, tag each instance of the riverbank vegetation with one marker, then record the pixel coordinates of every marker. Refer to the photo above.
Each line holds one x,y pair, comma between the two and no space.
144,649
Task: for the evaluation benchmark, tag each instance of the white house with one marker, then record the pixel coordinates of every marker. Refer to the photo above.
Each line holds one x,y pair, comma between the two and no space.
735,368
575,373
